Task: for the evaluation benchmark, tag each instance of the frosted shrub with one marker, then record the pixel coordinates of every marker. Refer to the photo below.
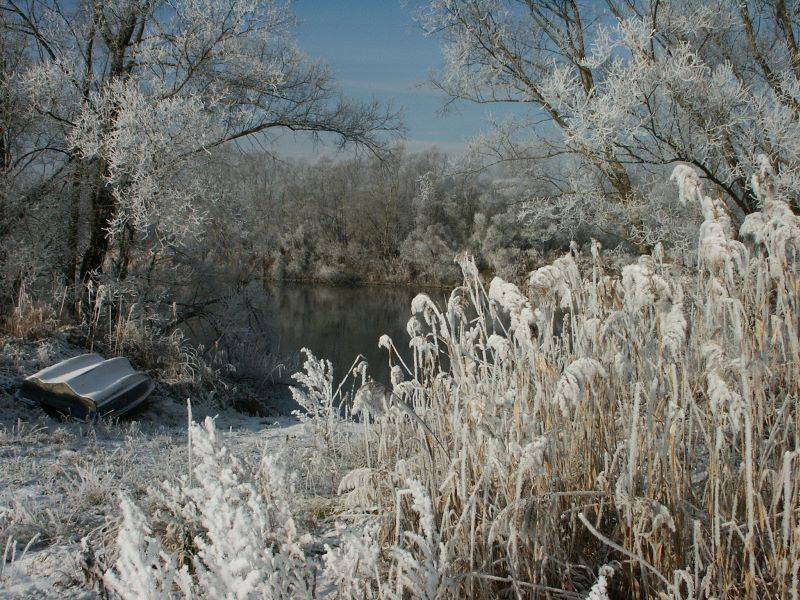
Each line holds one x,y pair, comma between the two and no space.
421,558
315,394
247,545
352,568
599,590
143,570
647,420
171,356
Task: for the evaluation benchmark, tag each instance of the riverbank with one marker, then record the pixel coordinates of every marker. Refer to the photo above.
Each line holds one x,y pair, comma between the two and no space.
61,480
177,368
322,275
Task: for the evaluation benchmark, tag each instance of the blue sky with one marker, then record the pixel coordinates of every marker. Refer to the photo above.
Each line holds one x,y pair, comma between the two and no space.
376,50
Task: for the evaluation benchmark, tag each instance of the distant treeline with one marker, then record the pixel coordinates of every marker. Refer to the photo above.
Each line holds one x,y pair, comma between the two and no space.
399,219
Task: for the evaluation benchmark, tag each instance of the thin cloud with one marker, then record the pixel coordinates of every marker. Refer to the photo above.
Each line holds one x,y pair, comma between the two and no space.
405,88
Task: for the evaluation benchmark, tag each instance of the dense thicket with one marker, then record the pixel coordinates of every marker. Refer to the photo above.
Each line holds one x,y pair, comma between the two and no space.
402,218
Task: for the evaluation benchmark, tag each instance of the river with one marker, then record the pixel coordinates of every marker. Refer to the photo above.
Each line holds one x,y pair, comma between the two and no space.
267,325
340,323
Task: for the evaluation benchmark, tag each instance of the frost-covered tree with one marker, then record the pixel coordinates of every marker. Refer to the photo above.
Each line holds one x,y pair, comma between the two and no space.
627,87
136,93
17,131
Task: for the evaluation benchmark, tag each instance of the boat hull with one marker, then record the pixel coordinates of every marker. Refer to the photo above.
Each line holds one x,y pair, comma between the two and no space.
87,387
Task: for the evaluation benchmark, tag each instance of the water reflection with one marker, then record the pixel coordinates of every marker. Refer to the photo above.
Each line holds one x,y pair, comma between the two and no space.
339,323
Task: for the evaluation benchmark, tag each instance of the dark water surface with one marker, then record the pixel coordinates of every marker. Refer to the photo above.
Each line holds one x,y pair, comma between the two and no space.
339,323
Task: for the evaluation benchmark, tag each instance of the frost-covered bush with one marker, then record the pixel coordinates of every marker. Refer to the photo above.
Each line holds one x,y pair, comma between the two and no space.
169,355
316,396
503,244
646,420
352,568
245,542
428,249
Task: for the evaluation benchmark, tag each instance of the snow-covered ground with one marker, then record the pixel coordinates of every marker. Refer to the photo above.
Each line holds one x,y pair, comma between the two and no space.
60,481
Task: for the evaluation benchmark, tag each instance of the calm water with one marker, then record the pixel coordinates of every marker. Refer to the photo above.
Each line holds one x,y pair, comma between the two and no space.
339,323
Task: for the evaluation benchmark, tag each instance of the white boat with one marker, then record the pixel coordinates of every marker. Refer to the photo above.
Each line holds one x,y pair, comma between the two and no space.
88,386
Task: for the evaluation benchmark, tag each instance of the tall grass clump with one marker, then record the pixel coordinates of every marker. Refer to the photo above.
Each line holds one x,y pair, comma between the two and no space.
595,434
30,318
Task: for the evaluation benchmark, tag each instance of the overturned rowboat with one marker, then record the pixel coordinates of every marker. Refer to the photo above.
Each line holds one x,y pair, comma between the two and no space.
88,386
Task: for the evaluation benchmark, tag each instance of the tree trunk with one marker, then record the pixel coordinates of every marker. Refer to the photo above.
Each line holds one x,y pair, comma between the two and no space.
618,177
99,240
71,261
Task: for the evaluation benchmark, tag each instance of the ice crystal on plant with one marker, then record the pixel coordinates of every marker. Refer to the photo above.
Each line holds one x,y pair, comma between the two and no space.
143,570
372,399
315,394
247,546
599,590
352,566
422,560
575,381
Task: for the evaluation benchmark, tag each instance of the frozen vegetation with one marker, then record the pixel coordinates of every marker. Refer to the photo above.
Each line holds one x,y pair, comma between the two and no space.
61,482
605,405
597,432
